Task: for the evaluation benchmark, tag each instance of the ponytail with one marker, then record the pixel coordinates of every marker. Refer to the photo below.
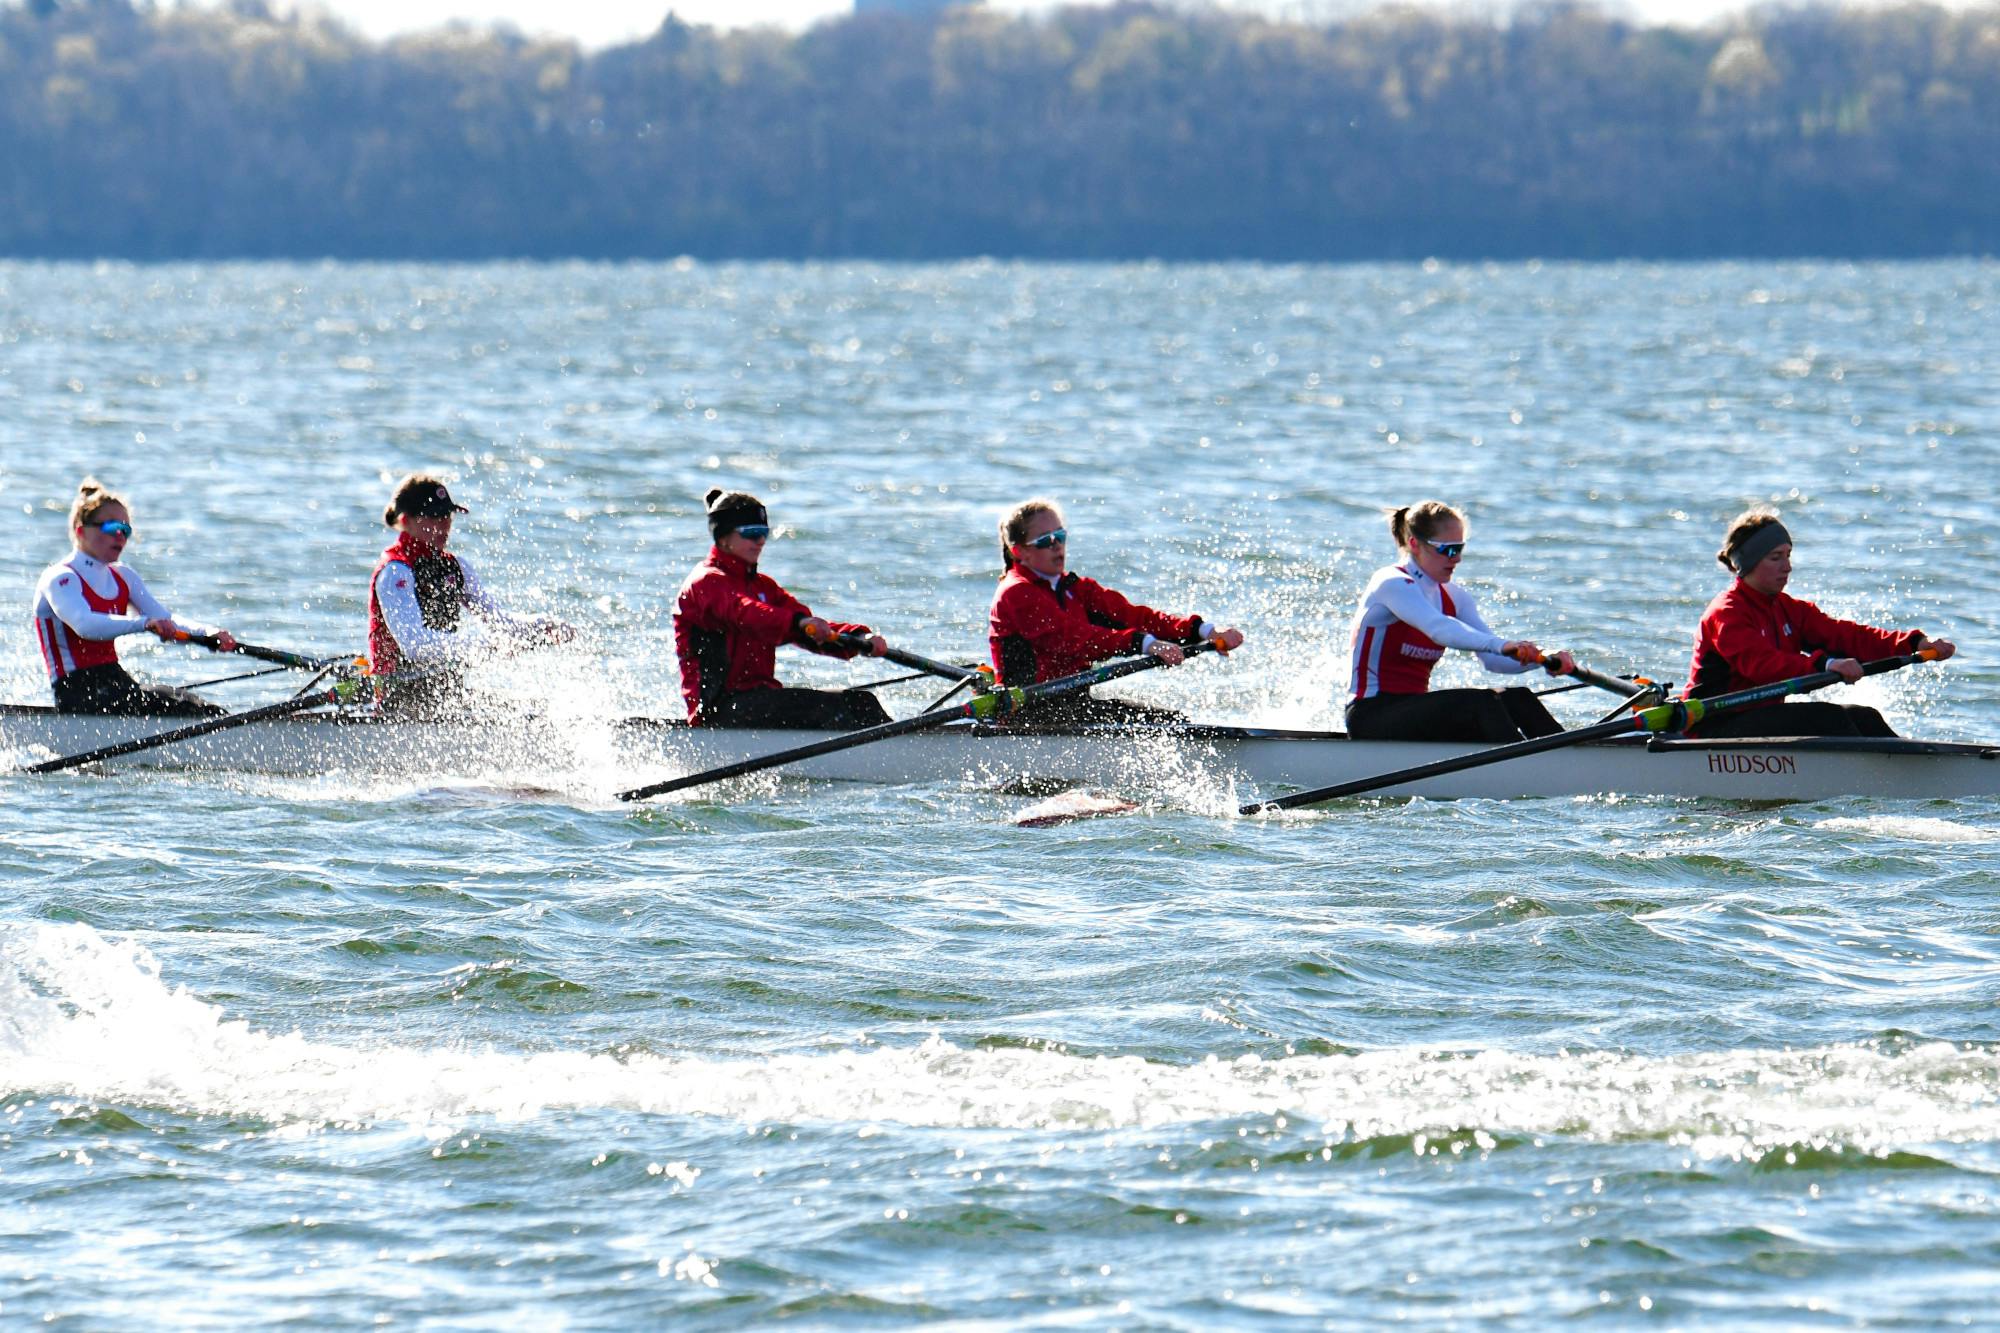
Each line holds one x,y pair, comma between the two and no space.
1415,523
91,496
1014,526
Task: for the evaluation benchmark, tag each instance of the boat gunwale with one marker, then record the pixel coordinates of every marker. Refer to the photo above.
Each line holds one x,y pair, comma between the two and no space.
1671,743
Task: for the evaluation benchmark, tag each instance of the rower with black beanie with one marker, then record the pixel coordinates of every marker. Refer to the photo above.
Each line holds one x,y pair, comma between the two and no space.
729,621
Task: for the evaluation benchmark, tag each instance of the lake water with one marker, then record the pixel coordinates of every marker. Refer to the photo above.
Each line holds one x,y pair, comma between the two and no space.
460,1054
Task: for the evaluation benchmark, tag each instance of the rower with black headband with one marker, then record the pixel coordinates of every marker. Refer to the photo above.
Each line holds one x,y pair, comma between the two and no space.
729,622
1753,634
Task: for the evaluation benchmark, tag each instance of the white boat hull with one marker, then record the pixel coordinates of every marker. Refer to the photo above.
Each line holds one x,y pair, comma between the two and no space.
1256,761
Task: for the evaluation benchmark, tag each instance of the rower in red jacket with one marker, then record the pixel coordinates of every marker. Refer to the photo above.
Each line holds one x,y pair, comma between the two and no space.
729,623
1753,634
1047,622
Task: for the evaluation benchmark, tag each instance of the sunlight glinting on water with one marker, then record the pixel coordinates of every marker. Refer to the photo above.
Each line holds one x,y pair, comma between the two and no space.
464,1039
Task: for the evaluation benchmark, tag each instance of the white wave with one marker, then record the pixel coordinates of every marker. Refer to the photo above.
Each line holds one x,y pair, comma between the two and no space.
1909,828
87,1018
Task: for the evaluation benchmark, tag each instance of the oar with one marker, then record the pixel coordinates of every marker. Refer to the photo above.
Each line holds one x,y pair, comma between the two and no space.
241,675
1630,688
903,657
1676,716
342,691
998,703
297,661
1622,686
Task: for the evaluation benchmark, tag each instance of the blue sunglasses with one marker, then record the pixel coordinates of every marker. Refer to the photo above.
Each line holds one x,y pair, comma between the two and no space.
755,532
117,527
1449,550
1060,537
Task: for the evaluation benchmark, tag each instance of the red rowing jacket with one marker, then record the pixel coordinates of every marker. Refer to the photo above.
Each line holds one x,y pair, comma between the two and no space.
1747,639
728,624
1037,632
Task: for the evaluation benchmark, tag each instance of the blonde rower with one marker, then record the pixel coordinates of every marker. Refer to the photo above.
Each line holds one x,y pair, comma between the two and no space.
87,601
1409,615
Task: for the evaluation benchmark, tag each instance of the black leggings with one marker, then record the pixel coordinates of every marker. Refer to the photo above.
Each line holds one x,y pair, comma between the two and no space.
1796,719
109,689
1493,717
796,709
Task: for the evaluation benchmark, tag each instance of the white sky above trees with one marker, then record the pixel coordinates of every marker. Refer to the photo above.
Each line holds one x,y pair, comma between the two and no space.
598,23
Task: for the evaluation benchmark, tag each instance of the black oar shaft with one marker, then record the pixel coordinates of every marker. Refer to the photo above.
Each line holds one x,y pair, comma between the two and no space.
1619,685
1676,716
1648,696
904,657
298,661
188,733
999,703
1456,764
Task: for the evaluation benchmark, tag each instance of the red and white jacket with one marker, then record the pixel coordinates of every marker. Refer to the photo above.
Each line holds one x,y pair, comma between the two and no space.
83,605
1040,630
729,622
416,600
1405,622
1747,639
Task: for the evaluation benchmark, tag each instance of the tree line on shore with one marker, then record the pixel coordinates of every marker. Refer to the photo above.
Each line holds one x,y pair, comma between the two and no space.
1125,131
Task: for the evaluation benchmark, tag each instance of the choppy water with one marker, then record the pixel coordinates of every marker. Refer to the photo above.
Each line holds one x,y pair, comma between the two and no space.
458,1053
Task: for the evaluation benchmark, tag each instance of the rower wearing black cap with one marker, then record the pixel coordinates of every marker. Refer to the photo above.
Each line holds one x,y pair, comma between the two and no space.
418,600
729,622
1753,634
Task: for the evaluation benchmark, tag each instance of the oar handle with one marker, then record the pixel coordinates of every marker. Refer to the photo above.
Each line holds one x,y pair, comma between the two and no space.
1619,685
980,677
297,660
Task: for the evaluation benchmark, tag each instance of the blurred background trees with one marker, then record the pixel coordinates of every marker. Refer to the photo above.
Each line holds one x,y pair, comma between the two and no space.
1092,132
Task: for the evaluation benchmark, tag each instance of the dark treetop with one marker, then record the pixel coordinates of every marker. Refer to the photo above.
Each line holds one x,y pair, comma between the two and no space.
1108,132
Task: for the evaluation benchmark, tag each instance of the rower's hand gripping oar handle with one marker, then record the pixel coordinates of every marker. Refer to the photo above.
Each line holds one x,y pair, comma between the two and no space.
213,643
1545,661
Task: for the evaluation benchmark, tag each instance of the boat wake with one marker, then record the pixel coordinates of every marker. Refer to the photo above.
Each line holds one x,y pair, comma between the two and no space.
1909,828
87,1018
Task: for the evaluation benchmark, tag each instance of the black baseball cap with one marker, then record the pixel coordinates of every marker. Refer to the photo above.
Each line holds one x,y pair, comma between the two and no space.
423,497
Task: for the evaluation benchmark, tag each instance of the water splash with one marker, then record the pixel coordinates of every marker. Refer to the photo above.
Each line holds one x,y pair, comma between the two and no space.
87,1017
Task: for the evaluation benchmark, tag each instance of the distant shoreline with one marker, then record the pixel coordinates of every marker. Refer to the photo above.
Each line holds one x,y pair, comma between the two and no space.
1084,135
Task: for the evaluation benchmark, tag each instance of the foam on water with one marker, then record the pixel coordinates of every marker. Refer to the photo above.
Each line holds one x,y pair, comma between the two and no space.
87,1017
1909,828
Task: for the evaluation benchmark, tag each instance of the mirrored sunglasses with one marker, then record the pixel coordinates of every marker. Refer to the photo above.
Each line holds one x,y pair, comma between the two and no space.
117,527
755,532
1060,537
1449,550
